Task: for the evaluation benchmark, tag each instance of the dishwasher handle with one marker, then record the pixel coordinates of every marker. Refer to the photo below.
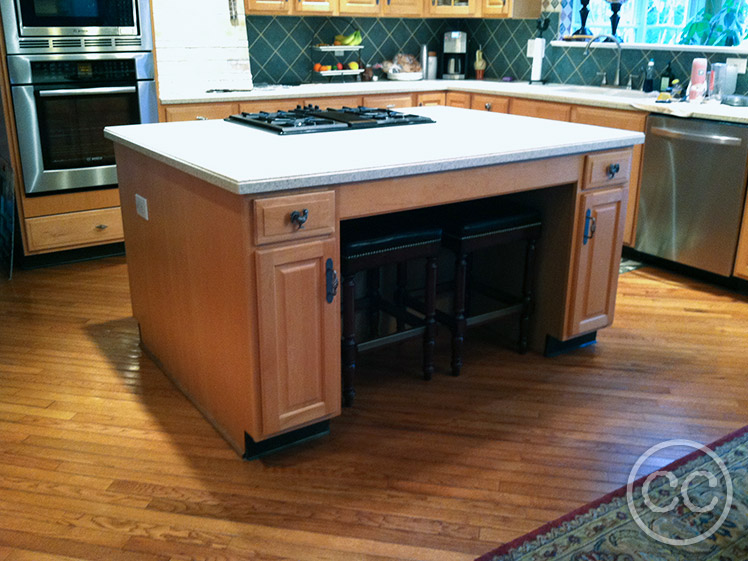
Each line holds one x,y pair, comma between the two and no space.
702,138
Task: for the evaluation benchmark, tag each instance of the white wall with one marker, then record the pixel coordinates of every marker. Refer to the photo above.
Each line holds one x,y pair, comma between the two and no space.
198,47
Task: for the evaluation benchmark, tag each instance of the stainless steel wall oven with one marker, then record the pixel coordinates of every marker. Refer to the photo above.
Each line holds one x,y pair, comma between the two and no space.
76,66
62,104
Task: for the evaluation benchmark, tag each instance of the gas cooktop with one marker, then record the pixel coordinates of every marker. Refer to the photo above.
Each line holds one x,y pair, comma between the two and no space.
313,119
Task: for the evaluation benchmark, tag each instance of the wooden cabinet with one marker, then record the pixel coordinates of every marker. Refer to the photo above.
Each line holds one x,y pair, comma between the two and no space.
431,98
496,8
299,335
493,103
199,111
402,8
741,257
540,109
74,229
283,7
314,6
451,8
597,243
458,99
388,101
267,6
627,120
359,7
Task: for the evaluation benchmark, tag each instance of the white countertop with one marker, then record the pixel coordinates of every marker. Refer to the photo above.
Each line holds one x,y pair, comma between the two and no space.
247,160
613,98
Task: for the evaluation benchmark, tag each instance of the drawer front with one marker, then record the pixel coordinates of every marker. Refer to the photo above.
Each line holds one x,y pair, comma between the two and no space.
610,168
200,112
388,101
491,103
274,217
74,229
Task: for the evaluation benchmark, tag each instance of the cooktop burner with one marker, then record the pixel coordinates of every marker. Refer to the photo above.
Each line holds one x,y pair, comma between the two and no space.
311,118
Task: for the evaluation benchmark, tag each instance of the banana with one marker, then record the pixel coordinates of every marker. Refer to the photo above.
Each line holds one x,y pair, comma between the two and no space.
357,38
352,39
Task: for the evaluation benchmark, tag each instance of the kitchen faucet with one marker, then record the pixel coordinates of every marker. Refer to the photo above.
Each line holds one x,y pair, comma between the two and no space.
617,81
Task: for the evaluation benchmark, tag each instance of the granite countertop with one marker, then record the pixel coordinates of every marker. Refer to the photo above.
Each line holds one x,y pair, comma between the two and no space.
613,98
246,160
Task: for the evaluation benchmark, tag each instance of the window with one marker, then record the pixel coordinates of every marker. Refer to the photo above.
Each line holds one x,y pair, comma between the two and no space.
642,21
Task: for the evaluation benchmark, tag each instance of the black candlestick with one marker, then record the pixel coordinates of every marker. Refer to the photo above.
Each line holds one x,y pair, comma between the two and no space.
615,18
583,13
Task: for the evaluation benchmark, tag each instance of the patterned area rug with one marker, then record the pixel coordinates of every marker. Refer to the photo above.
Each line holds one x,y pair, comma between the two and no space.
695,509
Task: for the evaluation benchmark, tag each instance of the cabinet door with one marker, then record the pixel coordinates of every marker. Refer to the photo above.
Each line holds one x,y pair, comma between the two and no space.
299,334
596,260
390,101
402,8
252,7
315,6
200,111
540,109
458,99
627,120
495,104
451,8
496,8
430,98
356,7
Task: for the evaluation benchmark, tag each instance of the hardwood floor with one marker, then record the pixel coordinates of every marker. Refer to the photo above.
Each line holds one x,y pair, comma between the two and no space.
103,459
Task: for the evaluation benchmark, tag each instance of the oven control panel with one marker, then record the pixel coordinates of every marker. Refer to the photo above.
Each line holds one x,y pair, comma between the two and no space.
71,71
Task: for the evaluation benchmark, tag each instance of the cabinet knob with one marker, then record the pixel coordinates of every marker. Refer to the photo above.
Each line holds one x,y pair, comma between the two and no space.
200,118
299,218
613,169
102,226
488,106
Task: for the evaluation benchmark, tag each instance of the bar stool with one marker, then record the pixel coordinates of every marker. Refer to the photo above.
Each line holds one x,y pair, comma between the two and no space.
366,245
469,227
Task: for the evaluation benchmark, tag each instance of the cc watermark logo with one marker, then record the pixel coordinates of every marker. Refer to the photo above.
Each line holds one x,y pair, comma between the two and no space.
683,493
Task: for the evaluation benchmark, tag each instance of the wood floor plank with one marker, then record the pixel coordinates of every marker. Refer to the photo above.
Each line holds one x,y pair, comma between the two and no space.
102,458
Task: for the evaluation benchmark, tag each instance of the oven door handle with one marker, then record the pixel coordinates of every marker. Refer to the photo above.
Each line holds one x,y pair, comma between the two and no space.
88,91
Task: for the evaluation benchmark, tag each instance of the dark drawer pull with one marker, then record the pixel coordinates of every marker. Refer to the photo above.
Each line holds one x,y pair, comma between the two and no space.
590,225
299,218
613,169
102,226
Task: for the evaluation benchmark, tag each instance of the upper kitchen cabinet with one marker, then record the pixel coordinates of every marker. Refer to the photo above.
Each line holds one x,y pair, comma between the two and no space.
451,8
395,8
511,8
284,7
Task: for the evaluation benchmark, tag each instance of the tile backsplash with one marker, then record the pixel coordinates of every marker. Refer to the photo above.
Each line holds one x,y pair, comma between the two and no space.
279,47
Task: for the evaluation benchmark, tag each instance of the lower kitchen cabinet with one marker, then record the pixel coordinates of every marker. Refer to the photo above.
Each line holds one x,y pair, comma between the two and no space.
627,120
458,99
74,229
540,109
431,98
493,103
199,111
299,335
598,239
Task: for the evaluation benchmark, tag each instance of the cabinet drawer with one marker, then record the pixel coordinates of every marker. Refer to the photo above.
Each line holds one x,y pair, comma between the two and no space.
392,101
200,112
610,168
74,229
273,217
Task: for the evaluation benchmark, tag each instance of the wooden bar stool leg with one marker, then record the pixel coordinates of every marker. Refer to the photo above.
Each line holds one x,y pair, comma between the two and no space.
401,294
348,352
429,336
372,290
460,323
527,296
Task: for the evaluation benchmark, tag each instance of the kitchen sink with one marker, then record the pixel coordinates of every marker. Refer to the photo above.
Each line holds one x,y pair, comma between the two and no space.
602,91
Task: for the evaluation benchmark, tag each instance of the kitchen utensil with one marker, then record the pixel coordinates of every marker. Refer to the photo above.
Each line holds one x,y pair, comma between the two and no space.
735,100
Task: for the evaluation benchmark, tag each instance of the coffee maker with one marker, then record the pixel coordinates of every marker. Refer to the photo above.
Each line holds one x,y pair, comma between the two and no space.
454,61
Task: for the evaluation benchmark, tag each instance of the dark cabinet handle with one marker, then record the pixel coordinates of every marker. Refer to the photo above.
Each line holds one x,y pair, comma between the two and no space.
613,169
488,106
590,225
299,218
102,226
331,281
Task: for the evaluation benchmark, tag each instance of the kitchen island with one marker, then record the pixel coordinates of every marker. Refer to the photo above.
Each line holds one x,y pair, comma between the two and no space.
237,304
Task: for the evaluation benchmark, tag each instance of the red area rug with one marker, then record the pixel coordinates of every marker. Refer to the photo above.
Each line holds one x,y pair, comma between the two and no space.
695,509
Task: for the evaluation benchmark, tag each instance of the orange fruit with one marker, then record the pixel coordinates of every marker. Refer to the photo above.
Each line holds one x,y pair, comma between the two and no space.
317,67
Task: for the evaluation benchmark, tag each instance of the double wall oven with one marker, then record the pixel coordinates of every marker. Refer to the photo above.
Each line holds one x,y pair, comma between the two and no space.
76,66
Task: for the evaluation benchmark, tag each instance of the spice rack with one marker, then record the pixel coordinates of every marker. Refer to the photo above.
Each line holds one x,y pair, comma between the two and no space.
339,51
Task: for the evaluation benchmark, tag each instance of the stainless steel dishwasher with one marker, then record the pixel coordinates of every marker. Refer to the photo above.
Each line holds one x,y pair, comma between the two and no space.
692,191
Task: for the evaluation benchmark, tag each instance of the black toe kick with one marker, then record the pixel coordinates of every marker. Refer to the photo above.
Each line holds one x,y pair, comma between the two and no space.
254,450
554,347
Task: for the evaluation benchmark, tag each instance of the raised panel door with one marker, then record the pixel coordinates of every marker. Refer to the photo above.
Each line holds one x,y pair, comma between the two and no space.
299,335
599,235
458,99
430,99
267,6
413,8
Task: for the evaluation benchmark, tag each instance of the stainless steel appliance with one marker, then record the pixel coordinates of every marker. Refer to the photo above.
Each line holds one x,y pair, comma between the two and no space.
64,26
311,119
692,192
62,104
454,61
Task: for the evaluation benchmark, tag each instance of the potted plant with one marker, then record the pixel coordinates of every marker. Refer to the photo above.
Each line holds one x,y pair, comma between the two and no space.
720,22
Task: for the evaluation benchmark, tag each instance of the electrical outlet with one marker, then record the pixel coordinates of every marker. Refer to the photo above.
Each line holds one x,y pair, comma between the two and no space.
738,63
141,206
